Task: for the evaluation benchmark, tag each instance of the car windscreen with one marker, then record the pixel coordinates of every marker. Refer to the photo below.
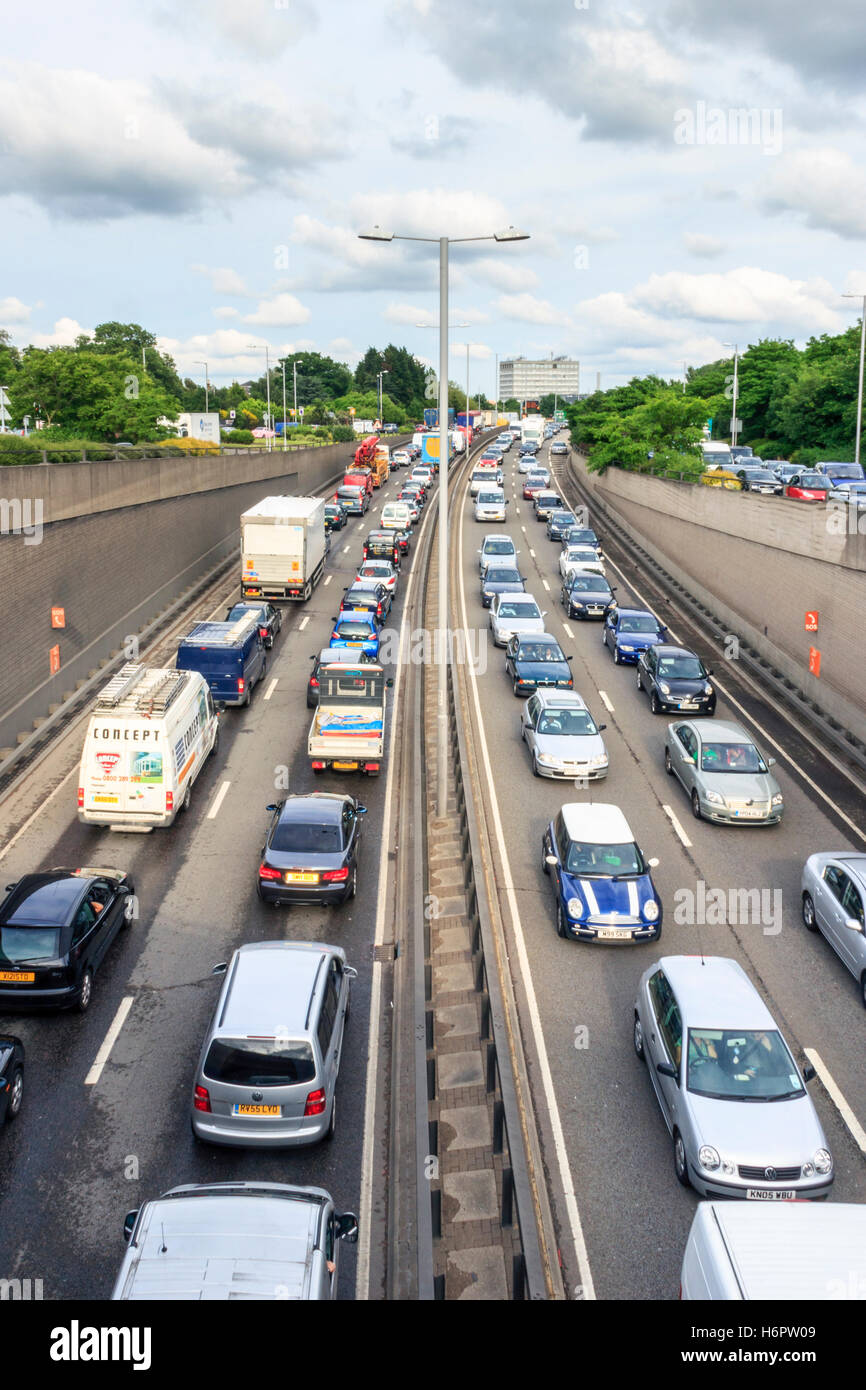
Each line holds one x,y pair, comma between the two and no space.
590,584
21,944
260,1061
731,757
492,499
561,518
567,723
581,536
519,610
499,546
350,629
604,861
581,553
741,1064
761,475
242,610
811,480
299,837
845,470
681,668
539,651
638,623
500,574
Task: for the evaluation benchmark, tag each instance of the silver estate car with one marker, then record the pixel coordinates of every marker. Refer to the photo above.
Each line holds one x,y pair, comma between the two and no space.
268,1067
562,737
732,1096
724,774
834,903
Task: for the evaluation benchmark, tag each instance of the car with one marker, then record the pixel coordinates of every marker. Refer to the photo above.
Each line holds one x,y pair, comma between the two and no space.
500,579
760,480
675,679
584,558
359,632
582,535
562,737
55,930
807,487
382,571
422,476
414,505
484,476
585,595
311,850
601,882
527,464
833,900
732,1096
403,540
504,441
326,657
400,458
723,772
513,613
490,504
11,1077
741,453
537,661
544,503
559,522
629,631
782,469
382,545
853,494
495,548
270,618
367,596
354,500
390,428
534,482
841,472
559,447
336,516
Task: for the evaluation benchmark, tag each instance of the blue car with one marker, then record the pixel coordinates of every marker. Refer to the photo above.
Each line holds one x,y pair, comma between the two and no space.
602,884
629,631
357,632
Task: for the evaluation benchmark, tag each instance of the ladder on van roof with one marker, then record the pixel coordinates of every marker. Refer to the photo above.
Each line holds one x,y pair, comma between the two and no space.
157,699
120,685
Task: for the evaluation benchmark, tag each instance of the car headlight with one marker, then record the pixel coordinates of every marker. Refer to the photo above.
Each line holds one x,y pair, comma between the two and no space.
714,798
651,910
664,688
708,689
574,907
778,799
600,760
548,759
624,648
823,1161
708,1157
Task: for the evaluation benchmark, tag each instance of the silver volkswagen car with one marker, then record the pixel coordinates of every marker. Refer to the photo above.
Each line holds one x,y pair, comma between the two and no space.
834,903
724,774
562,737
732,1096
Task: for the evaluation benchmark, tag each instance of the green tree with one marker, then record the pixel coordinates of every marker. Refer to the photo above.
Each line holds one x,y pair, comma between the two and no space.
91,395
140,345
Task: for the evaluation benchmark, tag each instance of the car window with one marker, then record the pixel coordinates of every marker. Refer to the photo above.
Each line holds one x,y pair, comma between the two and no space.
731,757
567,723
260,1061
85,918
684,667
539,651
638,624
836,881
852,903
604,861
687,739
297,837
19,944
741,1064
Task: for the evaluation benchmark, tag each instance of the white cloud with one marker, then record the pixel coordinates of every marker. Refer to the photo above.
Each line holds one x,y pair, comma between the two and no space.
13,311
282,310
825,187
707,247
64,333
504,274
259,30
223,279
747,295
231,353
431,212
478,352
529,309
411,314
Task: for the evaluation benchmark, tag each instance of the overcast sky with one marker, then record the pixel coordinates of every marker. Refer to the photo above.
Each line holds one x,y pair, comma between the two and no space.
204,169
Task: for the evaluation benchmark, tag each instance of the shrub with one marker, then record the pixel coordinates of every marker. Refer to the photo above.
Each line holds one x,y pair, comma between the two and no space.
15,449
342,434
238,437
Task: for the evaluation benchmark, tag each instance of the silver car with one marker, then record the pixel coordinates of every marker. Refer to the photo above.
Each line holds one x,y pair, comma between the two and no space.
496,549
834,903
724,774
511,613
732,1096
562,737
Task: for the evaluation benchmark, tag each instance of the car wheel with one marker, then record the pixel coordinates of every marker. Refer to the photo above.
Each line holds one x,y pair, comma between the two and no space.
187,797
669,767
264,670
863,989
332,1127
545,869
536,773
514,687
85,996
16,1093
681,1167
354,888
247,698
809,913
696,805
617,659
655,707
128,915
216,741
637,1036
560,921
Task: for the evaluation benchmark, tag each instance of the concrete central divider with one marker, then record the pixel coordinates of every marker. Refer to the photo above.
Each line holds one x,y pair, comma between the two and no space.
113,544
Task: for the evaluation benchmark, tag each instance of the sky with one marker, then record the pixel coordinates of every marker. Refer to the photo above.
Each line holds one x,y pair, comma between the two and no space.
690,175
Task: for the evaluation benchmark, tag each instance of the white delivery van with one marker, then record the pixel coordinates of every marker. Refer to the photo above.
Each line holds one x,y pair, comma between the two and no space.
717,454
775,1250
396,516
149,736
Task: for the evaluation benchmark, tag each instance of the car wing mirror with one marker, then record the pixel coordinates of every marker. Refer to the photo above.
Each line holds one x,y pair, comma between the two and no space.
601,727
220,968
653,863
808,1072
129,1223
852,924
771,762
347,1227
551,860
271,807
390,681
666,1069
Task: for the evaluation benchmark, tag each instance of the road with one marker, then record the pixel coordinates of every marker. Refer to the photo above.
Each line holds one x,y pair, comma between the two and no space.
603,1135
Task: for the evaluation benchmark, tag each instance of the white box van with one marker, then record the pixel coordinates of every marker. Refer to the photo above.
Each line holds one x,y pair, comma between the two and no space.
775,1250
396,516
148,738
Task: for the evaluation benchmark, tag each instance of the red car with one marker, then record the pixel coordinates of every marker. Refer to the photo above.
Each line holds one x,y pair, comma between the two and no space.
532,485
807,487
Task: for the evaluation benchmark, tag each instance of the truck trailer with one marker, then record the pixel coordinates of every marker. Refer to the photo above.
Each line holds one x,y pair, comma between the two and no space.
282,548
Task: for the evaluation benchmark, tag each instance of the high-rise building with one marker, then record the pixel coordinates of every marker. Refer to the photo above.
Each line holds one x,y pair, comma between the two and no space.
523,379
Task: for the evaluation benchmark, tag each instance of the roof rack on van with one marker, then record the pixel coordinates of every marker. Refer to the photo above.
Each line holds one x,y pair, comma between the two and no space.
157,699
120,684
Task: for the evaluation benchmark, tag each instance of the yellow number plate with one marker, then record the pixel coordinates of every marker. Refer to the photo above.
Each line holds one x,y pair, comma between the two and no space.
18,976
345,767
111,799
294,877
266,1110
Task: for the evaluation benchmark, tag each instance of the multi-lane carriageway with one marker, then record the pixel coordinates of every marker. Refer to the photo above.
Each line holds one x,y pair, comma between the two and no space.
105,1121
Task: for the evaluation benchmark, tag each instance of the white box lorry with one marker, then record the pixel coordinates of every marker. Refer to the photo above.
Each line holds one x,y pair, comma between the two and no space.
282,548
348,729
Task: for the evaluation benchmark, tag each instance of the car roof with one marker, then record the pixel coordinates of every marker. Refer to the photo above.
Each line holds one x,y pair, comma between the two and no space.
672,649
642,613
56,895
271,982
854,863
314,808
715,991
597,822
721,731
560,699
536,637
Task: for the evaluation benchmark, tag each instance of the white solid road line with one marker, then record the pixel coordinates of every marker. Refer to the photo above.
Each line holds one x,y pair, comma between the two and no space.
681,834
523,529
328,578
303,623
108,1041
218,801
568,630
560,1149
606,702
849,1119
346,549
546,585
532,553
271,688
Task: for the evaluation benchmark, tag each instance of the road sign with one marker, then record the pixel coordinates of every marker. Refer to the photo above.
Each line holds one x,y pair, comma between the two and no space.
4,414
735,425
54,660
58,617
4,396
300,412
814,661
812,622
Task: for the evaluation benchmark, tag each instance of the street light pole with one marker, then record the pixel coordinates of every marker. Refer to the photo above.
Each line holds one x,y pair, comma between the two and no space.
860,383
285,427
295,387
736,348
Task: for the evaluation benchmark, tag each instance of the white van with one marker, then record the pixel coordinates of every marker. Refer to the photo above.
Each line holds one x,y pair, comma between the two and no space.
396,516
775,1250
148,738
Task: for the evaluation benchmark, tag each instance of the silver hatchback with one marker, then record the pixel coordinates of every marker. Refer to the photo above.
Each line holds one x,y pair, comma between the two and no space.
268,1067
834,903
723,773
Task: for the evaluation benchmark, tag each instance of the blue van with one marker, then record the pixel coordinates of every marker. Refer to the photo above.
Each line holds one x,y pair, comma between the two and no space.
230,656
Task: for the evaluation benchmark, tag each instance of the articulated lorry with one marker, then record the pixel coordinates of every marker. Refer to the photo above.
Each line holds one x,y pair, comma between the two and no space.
282,548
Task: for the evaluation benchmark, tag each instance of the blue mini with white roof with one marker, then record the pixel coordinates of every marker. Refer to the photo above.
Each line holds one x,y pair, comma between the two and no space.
602,883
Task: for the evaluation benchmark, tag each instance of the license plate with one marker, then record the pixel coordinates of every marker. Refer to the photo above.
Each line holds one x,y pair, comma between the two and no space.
112,800
613,933
345,767
594,611
293,876
25,977
265,1110
760,1194
687,704
749,815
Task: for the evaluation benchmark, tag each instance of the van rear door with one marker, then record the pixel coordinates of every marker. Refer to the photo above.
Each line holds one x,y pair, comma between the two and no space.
126,767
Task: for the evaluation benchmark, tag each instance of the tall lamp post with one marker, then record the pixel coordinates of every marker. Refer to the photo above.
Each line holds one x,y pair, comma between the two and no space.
379,376
267,387
377,234
862,298
200,362
734,421
285,427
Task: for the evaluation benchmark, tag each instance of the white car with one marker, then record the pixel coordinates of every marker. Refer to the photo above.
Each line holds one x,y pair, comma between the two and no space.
490,504
562,736
528,464
484,475
400,458
583,559
496,549
511,613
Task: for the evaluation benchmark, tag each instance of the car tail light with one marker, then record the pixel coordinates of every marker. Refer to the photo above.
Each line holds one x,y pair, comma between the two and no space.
378,610
265,871
371,767
335,875
201,1099
240,685
317,765
263,632
169,801
315,1103
314,682
80,797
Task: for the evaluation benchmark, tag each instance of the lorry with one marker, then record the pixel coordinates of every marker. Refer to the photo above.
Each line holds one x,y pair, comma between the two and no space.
474,421
366,451
431,418
348,729
282,548
430,449
532,430
381,465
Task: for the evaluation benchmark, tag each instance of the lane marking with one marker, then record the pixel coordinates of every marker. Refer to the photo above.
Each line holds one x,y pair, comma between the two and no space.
108,1041
606,702
303,623
546,585
532,552
218,800
345,550
328,578
271,688
681,834
568,629
523,529
849,1119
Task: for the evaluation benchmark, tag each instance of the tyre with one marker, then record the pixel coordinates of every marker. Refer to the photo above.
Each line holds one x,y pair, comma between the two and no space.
655,707
129,909
560,920
809,913
16,1094
85,995
187,797
544,866
332,1127
536,773
696,806
216,741
863,989
617,659
264,670
637,1037
514,689
669,767
680,1165
354,885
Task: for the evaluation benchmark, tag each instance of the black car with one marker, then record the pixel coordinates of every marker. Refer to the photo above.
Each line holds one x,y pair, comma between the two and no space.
55,929
538,660
270,618
587,596
369,596
311,851
11,1076
582,535
558,523
675,679
498,579
383,545
757,479
336,516
326,657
